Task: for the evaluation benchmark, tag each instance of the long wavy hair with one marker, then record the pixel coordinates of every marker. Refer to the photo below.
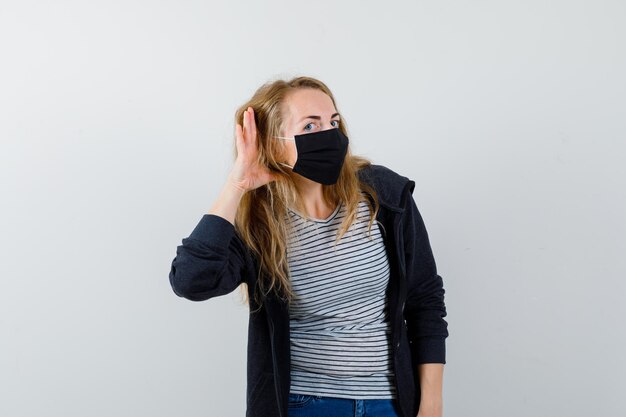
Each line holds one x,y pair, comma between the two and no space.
261,216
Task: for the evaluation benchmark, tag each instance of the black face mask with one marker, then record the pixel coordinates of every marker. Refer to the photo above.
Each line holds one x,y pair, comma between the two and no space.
320,155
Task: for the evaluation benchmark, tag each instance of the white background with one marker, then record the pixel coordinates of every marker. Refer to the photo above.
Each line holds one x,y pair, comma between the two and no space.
117,126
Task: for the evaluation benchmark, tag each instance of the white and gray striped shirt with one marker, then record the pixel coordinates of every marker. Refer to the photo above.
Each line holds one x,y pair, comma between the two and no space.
339,323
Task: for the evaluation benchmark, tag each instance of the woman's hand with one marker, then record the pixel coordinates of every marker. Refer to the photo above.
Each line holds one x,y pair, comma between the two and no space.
247,174
431,407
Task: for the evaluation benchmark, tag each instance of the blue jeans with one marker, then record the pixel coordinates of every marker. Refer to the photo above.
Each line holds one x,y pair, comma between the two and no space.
301,405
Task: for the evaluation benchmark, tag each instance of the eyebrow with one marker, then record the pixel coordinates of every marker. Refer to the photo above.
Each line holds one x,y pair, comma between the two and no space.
318,117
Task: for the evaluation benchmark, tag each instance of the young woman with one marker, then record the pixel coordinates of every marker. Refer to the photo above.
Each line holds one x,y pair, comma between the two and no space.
331,253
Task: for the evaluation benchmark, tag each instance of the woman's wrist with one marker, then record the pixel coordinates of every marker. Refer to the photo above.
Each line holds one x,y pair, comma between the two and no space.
227,203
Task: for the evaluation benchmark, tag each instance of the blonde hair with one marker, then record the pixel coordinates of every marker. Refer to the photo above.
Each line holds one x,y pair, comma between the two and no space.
261,216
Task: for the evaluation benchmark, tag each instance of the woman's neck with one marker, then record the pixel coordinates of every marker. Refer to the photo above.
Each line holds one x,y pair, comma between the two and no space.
313,199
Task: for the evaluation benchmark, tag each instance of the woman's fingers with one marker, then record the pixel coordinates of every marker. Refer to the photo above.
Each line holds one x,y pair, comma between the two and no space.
239,138
252,125
247,168
249,129
246,135
245,126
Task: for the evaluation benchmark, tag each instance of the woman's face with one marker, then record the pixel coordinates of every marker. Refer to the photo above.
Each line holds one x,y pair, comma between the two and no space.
308,110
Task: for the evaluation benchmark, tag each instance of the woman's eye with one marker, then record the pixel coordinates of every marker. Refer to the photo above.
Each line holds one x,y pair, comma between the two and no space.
312,124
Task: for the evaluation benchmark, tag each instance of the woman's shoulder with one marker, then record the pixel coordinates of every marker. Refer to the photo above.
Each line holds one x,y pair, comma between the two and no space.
388,183
377,169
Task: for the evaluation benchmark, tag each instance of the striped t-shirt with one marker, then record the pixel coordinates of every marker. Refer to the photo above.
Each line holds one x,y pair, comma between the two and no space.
339,322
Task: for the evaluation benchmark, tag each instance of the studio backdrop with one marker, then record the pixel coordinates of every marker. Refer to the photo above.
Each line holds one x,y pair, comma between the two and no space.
117,133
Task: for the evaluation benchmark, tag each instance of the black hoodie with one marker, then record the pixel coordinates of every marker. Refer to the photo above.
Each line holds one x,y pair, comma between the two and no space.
214,261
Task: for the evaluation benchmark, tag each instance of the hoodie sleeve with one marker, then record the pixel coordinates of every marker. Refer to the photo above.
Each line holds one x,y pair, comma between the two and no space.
210,262
425,307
